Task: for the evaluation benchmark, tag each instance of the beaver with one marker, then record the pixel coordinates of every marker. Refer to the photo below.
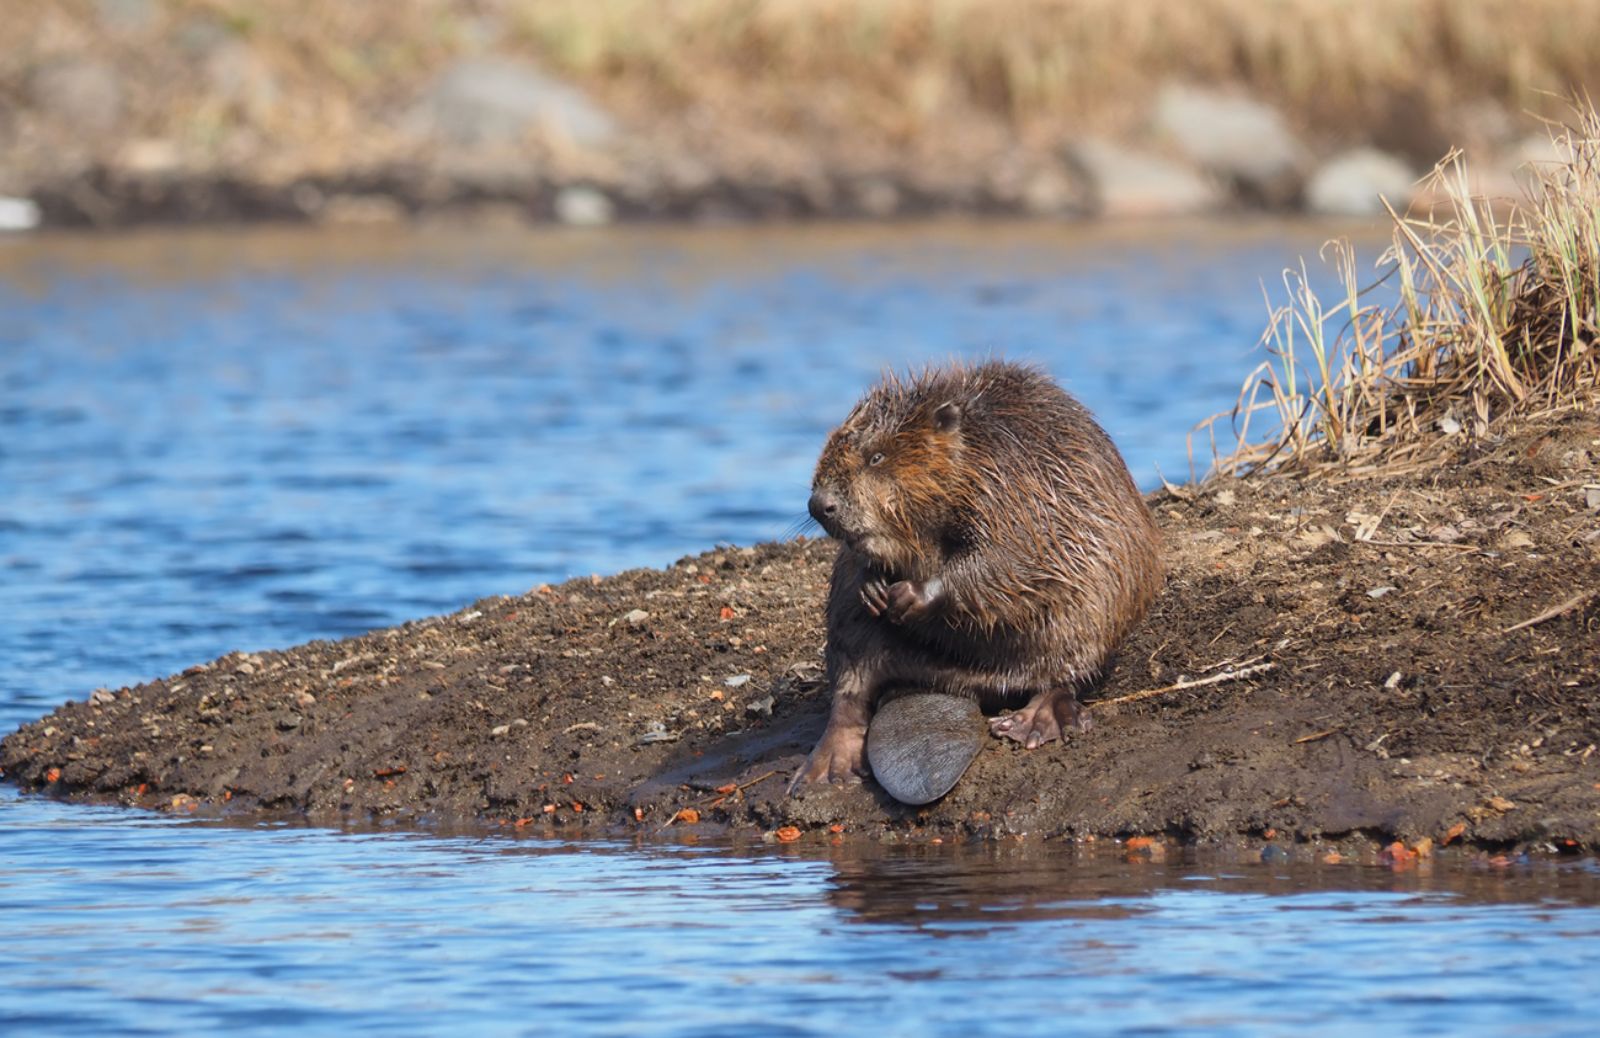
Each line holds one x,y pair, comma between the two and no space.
992,546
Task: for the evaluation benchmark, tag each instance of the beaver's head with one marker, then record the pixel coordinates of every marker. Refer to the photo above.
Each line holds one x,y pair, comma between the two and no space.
889,477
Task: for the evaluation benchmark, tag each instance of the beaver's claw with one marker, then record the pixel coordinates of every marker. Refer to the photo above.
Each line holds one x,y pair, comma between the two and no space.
900,602
875,596
1043,720
839,757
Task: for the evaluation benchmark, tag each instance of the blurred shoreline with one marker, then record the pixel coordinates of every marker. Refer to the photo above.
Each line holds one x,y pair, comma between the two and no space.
124,112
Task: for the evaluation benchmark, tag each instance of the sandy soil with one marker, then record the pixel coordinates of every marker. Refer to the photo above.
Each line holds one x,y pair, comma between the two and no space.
1386,690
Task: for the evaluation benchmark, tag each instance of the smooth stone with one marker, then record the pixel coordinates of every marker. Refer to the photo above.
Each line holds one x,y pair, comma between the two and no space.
1356,183
1236,137
580,206
479,101
920,745
1135,184
19,214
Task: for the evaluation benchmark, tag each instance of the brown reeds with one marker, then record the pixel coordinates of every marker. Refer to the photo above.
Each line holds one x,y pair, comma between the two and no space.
1494,317
896,70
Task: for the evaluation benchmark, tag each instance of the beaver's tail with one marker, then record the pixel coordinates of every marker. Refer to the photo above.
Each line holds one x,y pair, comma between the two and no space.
919,744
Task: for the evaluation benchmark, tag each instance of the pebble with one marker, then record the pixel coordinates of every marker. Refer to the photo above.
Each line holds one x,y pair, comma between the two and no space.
289,722
654,732
637,617
581,206
19,214
101,697
761,707
736,680
1272,854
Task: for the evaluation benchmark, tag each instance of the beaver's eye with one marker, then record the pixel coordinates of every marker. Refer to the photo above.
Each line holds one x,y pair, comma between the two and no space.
876,459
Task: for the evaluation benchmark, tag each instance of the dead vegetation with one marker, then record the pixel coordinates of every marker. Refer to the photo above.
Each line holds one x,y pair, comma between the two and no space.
324,81
1493,318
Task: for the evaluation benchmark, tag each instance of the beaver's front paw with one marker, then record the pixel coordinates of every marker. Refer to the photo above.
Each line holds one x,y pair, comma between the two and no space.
839,757
908,601
875,595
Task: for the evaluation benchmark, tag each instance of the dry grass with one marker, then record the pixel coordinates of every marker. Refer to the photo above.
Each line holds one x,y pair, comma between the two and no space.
1344,64
1495,317
891,70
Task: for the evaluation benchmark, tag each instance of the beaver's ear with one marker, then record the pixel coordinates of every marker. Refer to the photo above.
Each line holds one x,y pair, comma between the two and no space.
948,417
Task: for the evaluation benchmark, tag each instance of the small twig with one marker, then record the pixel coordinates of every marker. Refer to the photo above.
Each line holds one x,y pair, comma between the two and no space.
1364,531
1422,544
758,778
1556,610
1181,493
1227,675
1315,736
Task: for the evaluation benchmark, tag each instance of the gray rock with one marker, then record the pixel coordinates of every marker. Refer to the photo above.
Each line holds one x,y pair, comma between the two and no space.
128,15
488,101
920,745
238,75
1535,155
1351,184
876,197
1235,137
580,206
82,92
1051,192
18,214
655,732
1125,183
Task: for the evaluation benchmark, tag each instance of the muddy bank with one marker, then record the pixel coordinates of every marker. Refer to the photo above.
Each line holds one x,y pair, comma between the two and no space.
1392,686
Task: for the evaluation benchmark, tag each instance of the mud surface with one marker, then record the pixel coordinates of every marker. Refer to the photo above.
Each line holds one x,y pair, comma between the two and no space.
1383,693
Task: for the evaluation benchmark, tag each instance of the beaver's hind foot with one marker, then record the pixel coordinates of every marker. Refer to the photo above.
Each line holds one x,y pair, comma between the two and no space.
839,757
1045,718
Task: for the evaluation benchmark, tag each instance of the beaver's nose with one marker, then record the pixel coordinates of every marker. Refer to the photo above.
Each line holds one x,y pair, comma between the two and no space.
823,506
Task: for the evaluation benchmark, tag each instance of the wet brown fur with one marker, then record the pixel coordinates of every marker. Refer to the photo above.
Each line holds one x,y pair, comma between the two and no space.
1008,519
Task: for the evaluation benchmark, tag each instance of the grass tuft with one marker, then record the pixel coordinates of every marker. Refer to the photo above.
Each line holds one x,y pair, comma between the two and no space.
1495,317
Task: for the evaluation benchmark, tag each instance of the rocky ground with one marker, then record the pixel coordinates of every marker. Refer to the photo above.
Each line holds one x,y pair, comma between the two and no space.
1412,658
123,111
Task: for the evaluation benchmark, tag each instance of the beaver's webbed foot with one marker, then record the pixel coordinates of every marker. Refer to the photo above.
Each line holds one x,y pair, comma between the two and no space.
839,757
1045,718
902,601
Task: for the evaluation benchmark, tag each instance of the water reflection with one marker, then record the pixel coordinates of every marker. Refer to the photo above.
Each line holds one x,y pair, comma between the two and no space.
925,886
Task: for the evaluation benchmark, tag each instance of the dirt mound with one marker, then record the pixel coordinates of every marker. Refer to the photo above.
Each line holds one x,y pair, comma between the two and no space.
1352,659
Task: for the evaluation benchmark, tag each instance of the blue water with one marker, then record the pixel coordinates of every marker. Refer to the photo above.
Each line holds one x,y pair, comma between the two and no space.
238,441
